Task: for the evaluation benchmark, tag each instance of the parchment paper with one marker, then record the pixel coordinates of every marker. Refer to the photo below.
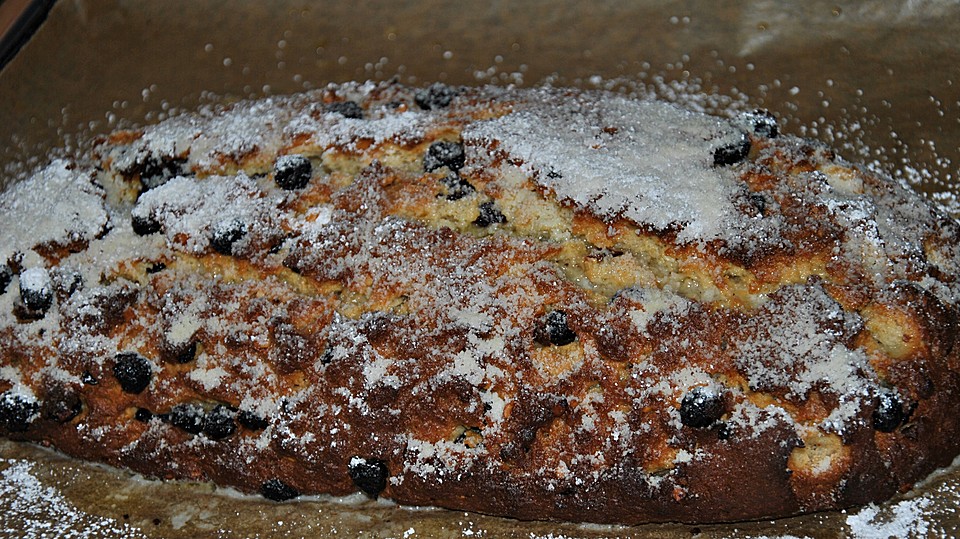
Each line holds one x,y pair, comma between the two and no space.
878,80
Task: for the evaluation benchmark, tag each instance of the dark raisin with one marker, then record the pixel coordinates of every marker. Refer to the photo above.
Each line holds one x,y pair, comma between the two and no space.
156,267
700,407
732,154
457,187
133,371
554,330
219,423
88,379
67,282
183,352
188,417
278,491
61,404
144,224
226,234
489,214
369,475
444,153
347,109
889,413
292,171
759,202
251,420
763,123
143,415
36,290
155,171
17,411
436,96
327,356
6,276
723,431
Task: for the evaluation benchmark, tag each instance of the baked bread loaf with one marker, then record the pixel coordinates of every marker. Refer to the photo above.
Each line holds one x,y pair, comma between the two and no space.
535,303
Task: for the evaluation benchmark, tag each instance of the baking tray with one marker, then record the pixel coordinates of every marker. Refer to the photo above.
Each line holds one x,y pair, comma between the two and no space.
878,80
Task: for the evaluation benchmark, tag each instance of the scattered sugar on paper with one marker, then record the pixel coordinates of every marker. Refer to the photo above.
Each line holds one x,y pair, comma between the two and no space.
32,510
905,520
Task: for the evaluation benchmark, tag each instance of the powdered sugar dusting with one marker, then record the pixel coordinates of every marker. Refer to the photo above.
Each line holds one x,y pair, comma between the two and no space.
32,510
57,205
645,160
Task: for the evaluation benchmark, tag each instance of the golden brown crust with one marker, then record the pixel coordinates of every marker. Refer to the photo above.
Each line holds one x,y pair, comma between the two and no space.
503,322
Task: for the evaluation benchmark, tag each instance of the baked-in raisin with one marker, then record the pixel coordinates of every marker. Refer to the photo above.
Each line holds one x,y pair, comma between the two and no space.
369,475
226,234
700,407
889,414
133,371
732,154
292,171
554,330
144,223
444,153
251,420
763,123
143,415
36,290
189,417
489,214
278,491
17,411
435,96
457,187
6,275
347,109
219,423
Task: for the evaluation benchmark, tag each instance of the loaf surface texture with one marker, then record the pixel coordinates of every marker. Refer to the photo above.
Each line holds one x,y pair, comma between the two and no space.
535,303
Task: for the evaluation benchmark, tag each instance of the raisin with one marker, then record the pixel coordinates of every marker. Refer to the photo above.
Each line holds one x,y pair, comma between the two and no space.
700,407
226,234
251,420
133,371
143,415
292,172
66,282
489,214
36,290
156,267
435,96
457,187
6,275
347,109
759,202
17,411
327,356
369,475
61,404
732,154
763,123
554,330
444,153
219,423
889,413
144,224
278,491
88,379
188,417
180,353
155,171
